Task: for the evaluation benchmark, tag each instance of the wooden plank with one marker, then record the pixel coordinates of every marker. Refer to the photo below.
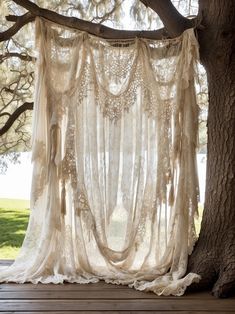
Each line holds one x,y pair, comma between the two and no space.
94,294
97,298
119,305
9,291
121,312
101,286
67,286
99,294
37,292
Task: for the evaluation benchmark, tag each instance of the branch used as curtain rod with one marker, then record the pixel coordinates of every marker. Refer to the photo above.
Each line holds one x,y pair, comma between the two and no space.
89,27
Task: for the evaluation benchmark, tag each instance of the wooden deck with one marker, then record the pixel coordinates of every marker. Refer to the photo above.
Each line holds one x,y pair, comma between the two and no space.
103,298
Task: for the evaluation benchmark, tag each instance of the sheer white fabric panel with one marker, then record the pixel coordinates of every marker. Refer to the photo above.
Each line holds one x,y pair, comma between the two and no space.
114,189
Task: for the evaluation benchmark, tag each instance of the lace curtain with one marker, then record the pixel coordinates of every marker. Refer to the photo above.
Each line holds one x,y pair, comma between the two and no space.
114,188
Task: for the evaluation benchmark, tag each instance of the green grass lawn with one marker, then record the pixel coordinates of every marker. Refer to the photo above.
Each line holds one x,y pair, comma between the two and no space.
14,215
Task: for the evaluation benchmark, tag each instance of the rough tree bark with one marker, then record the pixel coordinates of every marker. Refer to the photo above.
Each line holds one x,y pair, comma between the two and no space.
214,255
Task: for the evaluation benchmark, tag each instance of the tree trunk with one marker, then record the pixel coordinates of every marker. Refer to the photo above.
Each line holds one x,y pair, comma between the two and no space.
214,254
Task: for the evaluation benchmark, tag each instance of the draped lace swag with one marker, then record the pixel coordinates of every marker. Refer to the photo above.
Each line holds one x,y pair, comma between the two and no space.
114,189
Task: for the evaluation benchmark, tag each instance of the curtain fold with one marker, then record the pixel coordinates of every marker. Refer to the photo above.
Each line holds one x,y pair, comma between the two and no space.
114,187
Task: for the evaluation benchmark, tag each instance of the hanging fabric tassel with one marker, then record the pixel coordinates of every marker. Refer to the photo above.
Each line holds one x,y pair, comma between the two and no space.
63,199
171,195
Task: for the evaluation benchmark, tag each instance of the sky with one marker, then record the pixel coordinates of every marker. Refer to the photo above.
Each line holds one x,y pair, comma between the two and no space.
17,180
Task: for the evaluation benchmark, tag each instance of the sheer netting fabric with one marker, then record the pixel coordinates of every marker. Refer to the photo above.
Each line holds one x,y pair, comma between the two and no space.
114,188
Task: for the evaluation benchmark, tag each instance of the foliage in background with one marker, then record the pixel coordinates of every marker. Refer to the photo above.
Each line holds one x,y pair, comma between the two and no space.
16,81
6,159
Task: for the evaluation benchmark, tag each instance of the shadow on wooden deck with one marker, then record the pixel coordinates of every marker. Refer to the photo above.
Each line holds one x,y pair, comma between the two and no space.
103,298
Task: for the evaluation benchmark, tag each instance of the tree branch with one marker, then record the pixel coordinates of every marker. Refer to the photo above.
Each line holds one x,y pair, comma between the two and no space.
89,27
174,22
14,116
21,56
20,22
4,114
